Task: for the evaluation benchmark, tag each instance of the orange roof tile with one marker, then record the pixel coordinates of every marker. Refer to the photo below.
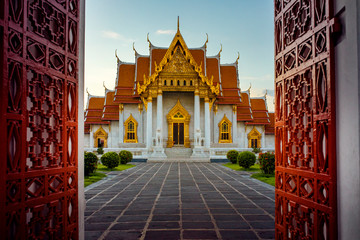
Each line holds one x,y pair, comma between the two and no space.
124,91
244,110
228,77
260,112
198,55
111,109
94,111
142,67
212,69
270,129
156,56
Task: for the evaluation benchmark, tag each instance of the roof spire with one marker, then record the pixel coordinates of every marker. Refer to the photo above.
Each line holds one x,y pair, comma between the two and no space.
265,93
178,25
220,49
118,60
249,88
237,60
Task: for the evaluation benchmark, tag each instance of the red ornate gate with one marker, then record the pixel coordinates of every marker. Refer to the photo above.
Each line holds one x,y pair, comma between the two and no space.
305,120
38,123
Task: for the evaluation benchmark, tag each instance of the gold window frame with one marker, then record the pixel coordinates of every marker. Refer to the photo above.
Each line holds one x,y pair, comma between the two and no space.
222,132
129,120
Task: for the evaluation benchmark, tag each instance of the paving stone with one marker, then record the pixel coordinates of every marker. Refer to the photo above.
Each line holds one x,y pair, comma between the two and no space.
164,225
196,218
198,225
208,191
267,234
232,225
161,234
123,235
166,218
199,234
231,235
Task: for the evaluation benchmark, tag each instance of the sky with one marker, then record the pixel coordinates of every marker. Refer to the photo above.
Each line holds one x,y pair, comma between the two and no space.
244,26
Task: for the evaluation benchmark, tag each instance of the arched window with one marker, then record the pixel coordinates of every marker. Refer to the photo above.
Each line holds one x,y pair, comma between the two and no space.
225,130
254,138
100,137
130,130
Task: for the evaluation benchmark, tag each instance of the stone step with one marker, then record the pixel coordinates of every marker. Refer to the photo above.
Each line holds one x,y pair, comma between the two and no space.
178,152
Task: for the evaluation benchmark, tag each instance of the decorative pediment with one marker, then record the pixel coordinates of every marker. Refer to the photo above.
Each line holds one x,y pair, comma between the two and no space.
178,60
178,65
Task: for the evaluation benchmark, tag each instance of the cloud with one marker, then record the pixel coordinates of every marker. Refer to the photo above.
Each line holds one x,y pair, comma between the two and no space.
165,32
117,36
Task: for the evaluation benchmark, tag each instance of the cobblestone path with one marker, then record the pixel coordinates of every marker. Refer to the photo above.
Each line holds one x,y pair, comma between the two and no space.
179,201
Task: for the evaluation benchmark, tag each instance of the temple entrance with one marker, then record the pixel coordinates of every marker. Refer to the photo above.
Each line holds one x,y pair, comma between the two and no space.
178,126
178,133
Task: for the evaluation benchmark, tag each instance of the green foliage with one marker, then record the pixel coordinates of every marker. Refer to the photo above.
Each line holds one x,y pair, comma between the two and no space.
266,178
256,150
100,150
232,155
267,162
125,156
92,178
90,163
246,159
110,159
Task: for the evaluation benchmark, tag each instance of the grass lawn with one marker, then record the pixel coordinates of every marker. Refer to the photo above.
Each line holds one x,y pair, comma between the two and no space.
93,177
266,178
254,168
99,174
121,167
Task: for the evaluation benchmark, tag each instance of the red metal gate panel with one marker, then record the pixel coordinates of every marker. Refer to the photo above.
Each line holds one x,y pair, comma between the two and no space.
38,119
305,120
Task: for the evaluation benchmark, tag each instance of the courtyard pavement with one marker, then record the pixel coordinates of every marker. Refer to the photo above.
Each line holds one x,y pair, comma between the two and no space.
179,201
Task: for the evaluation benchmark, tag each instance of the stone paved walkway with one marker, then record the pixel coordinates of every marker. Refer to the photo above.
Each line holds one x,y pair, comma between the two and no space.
179,201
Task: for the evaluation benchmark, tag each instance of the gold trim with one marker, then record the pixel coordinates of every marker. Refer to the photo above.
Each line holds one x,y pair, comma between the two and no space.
225,120
178,108
101,134
140,107
121,107
127,122
234,109
254,134
168,57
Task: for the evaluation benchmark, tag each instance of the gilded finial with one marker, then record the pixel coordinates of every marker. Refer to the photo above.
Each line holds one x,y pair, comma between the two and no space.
220,49
249,88
104,85
148,40
118,60
178,25
207,40
237,59
87,91
134,48
265,93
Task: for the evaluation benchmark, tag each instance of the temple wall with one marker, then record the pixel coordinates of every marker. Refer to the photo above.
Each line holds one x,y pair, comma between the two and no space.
270,142
222,109
134,111
169,101
87,140
114,134
241,136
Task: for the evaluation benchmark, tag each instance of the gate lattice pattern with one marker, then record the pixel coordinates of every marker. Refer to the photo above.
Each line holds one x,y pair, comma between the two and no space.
38,107
305,121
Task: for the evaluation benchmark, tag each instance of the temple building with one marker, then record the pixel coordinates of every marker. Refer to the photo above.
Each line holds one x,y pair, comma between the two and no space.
177,102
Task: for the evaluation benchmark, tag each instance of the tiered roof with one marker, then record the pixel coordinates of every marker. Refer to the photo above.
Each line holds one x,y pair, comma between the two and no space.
101,110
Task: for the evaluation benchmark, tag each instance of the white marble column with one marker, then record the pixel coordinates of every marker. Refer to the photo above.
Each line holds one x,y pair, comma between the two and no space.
159,118
234,126
149,123
197,131
207,123
121,123
91,138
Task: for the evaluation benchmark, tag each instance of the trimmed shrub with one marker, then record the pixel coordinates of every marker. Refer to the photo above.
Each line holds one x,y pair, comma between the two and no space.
100,150
110,160
90,163
246,159
125,156
232,155
256,150
267,162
